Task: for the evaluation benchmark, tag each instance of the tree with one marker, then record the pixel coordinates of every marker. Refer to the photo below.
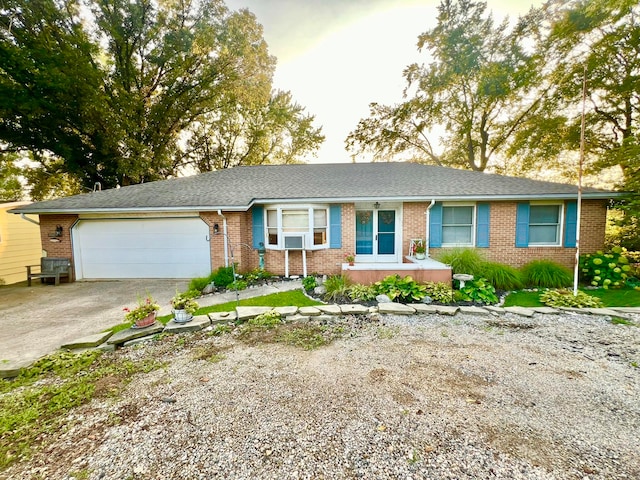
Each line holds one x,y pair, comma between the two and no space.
599,39
480,86
112,90
253,134
10,185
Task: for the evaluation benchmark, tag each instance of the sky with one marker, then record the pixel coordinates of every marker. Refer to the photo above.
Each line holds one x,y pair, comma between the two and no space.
338,56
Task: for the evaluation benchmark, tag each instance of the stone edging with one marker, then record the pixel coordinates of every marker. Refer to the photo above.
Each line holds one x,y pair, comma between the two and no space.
108,341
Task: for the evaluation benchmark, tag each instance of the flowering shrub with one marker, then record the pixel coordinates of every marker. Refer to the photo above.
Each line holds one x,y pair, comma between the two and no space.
144,308
607,270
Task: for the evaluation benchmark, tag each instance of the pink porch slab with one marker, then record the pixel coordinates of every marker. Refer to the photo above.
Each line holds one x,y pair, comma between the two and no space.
427,270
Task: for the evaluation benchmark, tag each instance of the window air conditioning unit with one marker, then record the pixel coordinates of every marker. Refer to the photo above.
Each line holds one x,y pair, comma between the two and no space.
294,242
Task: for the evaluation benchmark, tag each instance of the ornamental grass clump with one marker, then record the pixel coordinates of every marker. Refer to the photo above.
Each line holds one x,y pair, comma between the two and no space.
566,298
606,270
546,274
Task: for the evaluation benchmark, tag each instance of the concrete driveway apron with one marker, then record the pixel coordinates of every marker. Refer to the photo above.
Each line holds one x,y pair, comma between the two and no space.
36,320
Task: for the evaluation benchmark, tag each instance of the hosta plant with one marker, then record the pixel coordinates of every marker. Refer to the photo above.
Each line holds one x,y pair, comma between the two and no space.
439,292
479,291
363,293
566,298
401,289
607,270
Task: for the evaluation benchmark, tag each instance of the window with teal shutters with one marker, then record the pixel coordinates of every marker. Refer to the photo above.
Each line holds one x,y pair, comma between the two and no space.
435,225
570,223
522,225
257,222
335,226
482,227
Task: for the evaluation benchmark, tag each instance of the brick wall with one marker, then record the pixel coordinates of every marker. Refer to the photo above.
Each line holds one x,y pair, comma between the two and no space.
60,246
502,236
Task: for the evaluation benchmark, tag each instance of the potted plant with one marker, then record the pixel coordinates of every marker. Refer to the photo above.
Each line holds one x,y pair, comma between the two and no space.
144,315
184,306
420,251
350,258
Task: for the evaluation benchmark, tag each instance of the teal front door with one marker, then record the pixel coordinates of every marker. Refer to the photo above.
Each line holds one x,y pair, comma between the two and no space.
376,237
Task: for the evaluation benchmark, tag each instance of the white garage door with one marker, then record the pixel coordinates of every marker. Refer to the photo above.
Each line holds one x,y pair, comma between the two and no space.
141,248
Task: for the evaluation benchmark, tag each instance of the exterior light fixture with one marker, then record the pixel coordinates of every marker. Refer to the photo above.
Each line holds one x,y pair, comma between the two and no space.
376,205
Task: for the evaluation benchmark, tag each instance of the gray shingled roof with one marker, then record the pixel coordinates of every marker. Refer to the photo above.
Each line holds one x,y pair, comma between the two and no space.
238,188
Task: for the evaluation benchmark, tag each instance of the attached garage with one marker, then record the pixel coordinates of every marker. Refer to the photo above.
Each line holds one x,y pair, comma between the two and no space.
141,248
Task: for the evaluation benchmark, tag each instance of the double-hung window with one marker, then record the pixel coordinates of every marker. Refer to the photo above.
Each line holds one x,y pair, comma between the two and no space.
458,225
309,223
545,224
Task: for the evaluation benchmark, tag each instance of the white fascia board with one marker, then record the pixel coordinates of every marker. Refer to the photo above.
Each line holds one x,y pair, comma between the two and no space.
445,198
208,208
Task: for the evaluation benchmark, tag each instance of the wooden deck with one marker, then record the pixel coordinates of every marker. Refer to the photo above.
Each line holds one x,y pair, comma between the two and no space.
427,270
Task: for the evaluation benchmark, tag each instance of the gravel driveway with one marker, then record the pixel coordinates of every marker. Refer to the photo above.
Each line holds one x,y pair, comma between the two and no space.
416,397
36,320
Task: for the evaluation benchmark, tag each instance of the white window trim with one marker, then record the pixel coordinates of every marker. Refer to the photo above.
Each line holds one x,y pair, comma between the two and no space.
561,222
308,234
474,220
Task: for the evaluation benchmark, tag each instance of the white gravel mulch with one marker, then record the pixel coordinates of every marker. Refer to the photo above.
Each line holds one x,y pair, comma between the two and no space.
415,397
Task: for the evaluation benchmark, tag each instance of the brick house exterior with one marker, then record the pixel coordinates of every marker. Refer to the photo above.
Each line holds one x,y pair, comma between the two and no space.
371,210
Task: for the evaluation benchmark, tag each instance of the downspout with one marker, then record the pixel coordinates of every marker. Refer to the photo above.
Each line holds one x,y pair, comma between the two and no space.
426,237
225,238
24,217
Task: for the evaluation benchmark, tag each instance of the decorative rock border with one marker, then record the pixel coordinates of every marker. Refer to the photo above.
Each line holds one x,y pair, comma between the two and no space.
132,336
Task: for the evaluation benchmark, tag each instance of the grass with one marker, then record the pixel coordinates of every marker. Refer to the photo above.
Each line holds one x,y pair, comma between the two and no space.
281,299
35,403
624,297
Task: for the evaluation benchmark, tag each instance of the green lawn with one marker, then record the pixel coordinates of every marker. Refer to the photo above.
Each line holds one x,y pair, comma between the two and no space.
282,299
623,297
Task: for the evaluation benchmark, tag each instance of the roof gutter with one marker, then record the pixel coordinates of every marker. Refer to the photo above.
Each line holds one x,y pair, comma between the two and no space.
24,217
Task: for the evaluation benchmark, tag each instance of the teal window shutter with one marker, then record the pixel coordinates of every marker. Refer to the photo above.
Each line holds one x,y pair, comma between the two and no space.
257,221
335,226
570,223
435,225
482,225
522,225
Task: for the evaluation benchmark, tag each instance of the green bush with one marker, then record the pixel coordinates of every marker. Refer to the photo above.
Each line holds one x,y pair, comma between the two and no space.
501,276
238,285
309,283
363,293
337,287
401,289
222,277
546,274
479,291
198,284
607,270
257,275
463,260
439,292
566,298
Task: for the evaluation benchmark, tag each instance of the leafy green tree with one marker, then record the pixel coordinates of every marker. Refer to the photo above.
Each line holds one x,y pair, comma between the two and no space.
480,84
598,40
253,134
112,90
10,186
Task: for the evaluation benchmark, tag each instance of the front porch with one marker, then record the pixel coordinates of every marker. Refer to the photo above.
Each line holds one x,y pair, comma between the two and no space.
427,270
